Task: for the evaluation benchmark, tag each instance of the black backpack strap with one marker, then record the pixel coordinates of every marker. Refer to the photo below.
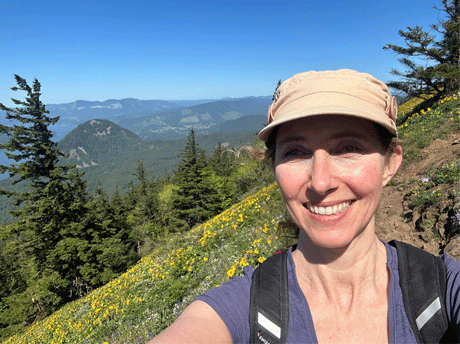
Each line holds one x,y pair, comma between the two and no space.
269,301
422,277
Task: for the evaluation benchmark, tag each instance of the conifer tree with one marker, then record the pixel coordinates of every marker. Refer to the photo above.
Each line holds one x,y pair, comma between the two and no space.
221,165
144,216
50,209
146,201
189,204
30,144
221,161
129,198
431,63
117,202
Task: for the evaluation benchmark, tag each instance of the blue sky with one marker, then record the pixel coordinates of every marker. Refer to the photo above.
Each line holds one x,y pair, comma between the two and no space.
99,50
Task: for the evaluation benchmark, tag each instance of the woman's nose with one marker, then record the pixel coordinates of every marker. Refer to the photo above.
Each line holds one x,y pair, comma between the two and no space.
320,174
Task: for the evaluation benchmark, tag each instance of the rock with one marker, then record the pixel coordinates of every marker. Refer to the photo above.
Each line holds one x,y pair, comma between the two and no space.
453,248
416,219
440,227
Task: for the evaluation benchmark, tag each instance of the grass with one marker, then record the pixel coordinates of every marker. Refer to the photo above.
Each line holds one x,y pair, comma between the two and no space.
143,301
421,128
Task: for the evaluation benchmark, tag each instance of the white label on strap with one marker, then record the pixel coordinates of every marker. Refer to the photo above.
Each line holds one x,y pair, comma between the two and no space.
428,313
269,325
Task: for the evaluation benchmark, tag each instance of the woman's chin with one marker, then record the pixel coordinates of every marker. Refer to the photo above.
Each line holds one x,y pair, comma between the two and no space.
332,239
331,242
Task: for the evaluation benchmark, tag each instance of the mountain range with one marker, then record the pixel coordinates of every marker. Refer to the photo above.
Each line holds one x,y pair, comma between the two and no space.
203,118
158,119
153,120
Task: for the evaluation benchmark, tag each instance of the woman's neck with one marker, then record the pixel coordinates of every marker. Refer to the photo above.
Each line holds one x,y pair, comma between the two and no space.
344,276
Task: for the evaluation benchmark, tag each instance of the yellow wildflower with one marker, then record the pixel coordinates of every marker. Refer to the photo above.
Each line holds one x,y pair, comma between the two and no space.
231,271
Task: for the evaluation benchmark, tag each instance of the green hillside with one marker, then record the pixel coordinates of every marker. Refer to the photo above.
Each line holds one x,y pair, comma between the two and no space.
148,297
108,153
99,136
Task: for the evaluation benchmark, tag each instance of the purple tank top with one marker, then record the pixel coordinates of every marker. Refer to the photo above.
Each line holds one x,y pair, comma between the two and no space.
231,302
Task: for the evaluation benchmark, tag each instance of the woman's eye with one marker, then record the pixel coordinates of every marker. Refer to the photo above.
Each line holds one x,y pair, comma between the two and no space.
294,153
349,149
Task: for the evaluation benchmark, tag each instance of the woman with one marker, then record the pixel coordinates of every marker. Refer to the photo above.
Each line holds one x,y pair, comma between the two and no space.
331,137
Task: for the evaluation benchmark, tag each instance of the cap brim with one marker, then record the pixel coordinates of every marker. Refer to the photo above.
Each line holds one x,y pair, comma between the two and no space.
337,104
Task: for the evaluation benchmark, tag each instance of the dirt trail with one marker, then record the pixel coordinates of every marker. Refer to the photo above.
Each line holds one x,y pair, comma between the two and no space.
390,222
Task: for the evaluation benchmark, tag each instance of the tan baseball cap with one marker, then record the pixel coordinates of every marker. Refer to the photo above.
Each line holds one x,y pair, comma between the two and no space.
342,92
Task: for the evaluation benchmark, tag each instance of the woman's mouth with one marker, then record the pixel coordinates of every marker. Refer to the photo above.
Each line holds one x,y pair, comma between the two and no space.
331,210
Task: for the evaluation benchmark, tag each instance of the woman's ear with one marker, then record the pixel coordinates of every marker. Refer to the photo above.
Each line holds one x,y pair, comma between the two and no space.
392,164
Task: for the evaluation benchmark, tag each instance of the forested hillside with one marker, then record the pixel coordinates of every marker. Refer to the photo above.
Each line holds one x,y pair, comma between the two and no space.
65,241
108,153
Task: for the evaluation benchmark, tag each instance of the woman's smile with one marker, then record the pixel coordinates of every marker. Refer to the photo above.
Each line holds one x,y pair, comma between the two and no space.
329,210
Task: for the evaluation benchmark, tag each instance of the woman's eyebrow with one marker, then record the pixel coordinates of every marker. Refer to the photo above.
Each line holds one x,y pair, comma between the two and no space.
291,139
339,135
353,134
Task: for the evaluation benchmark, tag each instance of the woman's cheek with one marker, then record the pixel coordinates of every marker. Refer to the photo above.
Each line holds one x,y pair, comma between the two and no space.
289,178
364,178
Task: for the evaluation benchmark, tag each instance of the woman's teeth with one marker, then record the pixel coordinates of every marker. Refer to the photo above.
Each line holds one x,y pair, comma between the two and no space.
329,210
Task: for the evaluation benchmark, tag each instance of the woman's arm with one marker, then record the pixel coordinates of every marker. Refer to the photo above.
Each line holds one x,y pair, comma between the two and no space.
199,323
453,291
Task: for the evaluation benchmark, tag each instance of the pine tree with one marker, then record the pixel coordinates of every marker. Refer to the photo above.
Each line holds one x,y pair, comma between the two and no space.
146,201
129,198
221,161
441,72
221,165
189,202
117,202
30,144
53,187
144,216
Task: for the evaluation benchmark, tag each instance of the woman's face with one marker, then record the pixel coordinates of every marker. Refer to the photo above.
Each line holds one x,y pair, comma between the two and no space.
331,171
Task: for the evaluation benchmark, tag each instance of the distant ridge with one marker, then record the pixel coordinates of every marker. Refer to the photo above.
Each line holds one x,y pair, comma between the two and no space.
204,118
95,141
252,122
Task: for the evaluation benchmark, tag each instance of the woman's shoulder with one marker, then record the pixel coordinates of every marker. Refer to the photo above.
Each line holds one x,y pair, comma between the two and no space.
451,263
235,285
453,270
231,302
